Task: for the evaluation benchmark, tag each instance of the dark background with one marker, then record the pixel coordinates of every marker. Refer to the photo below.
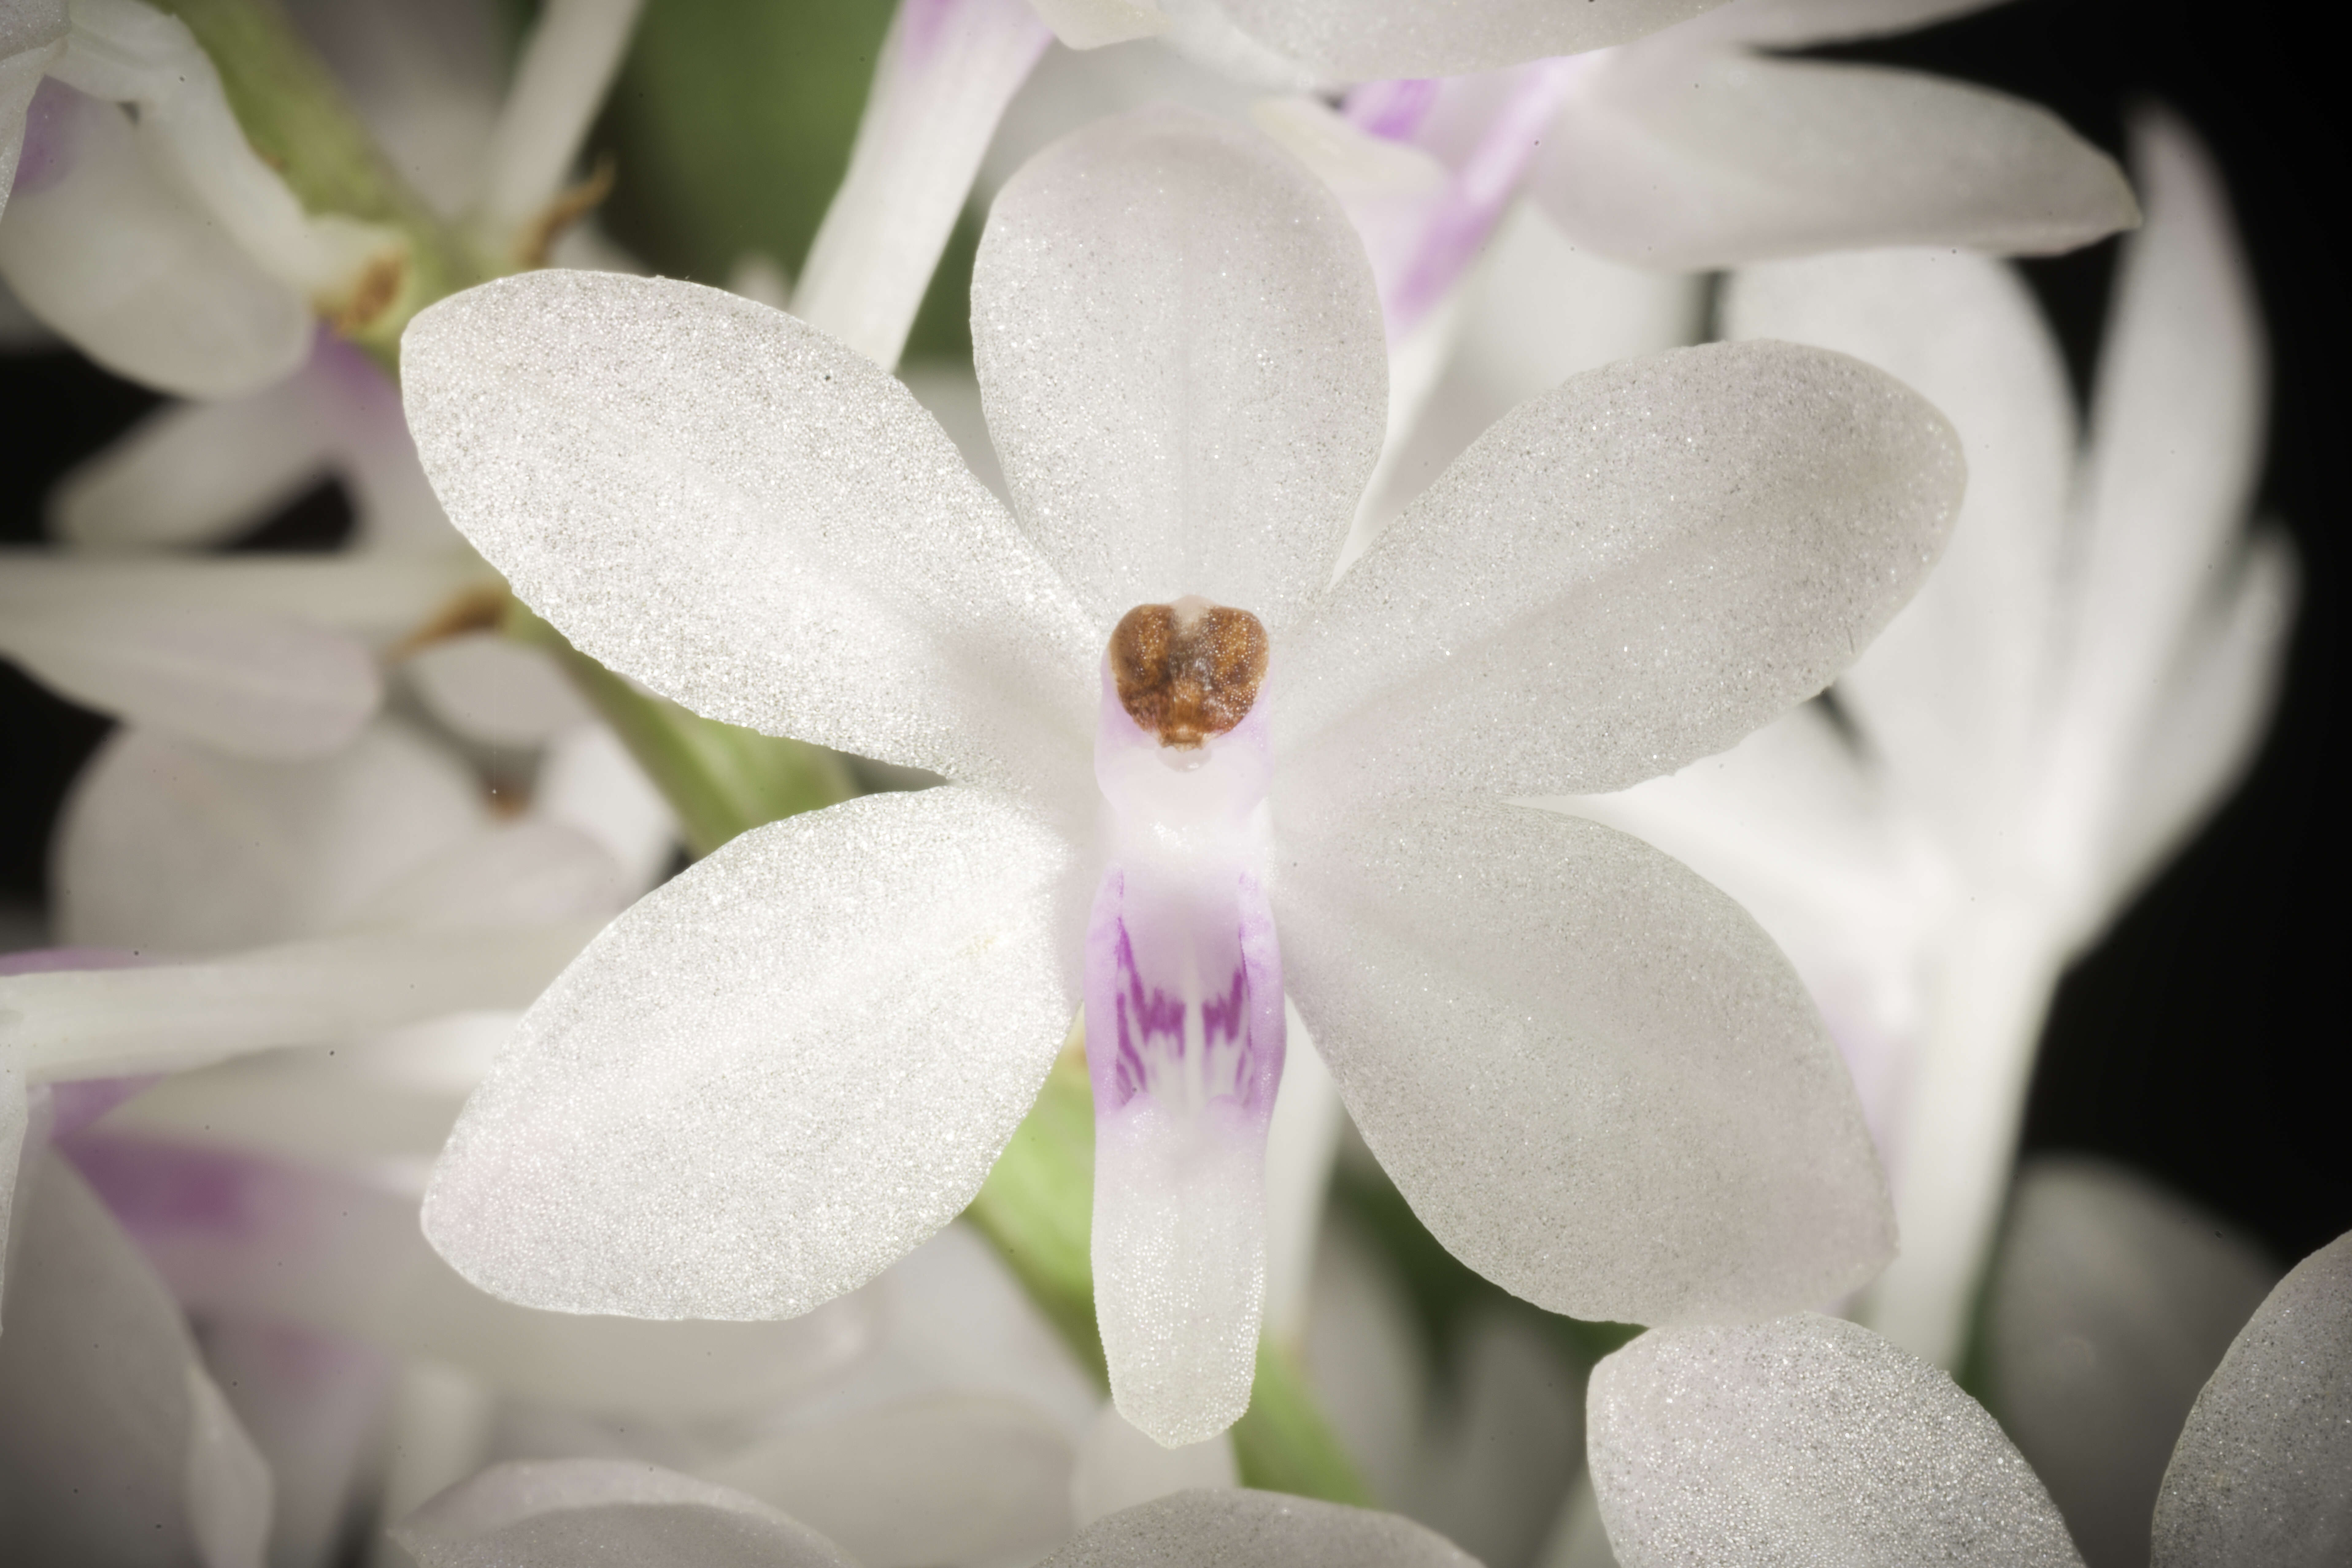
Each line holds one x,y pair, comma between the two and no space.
2201,1041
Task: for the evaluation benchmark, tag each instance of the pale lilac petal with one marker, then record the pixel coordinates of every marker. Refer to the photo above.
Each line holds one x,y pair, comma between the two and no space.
587,780
1806,1439
2259,1473
1119,1467
31,36
1596,1082
948,70
1091,24
115,1446
2111,1300
1724,158
1632,571
1070,88
776,1073
108,1024
311,1405
494,689
2217,708
250,686
950,1478
1233,1528
165,846
1356,40
243,1236
559,1512
103,247
559,82
194,473
727,504
1953,695
1180,354
1497,1461
2177,438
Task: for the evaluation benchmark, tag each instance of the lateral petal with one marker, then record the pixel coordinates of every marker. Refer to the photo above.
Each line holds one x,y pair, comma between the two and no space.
555,1513
1806,1439
1592,1075
751,518
1627,573
1357,40
776,1073
1180,354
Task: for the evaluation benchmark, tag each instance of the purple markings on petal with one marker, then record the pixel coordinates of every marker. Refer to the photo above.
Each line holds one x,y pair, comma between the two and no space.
1194,1009
52,960
51,131
160,1192
1392,111
77,1102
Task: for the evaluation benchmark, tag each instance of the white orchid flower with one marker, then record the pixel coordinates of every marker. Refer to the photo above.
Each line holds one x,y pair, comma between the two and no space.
2081,683
788,1066
1811,1437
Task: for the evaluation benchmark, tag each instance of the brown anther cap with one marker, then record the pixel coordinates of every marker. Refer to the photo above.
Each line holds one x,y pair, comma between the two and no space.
1188,670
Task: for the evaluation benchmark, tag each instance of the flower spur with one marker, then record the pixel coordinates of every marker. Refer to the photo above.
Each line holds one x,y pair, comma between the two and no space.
1589,1073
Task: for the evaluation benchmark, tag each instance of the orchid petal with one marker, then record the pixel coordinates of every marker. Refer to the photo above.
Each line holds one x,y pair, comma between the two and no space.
2217,707
1789,24
115,1446
111,1023
380,598
103,249
948,70
2177,435
253,688
559,1512
2111,1302
1357,40
1364,1355
194,474
1953,694
1302,1138
1497,1464
1595,1081
2258,1475
945,1480
1180,354
1091,24
512,874
494,689
1119,1467
241,1237
587,780
1727,157
169,848
775,1074
1069,89
1628,574
741,512
567,64
310,1405
1806,1439
32,35
953,1311
1235,1528
426,79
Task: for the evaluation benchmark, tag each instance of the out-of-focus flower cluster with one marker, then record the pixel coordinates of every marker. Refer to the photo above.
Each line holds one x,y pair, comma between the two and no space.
1310,898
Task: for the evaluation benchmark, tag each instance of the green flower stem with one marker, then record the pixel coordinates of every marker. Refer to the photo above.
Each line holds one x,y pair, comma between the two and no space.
721,779
1037,1208
296,117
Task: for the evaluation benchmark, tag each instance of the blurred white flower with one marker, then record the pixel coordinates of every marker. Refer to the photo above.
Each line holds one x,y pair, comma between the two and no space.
2080,682
1179,349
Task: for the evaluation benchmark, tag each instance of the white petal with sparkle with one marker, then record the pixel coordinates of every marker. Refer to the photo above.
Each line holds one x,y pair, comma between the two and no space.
1802,1440
738,511
778,1072
555,1513
1181,358
1230,1529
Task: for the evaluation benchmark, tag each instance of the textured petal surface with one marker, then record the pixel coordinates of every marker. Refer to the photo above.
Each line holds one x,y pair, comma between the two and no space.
1953,692
1627,573
743,513
776,1073
1180,354
494,689
1594,1078
2111,1300
948,1478
1806,1440
194,472
1219,1529
2263,1470
1353,40
166,846
1683,163
250,686
115,1446
559,1512
102,246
